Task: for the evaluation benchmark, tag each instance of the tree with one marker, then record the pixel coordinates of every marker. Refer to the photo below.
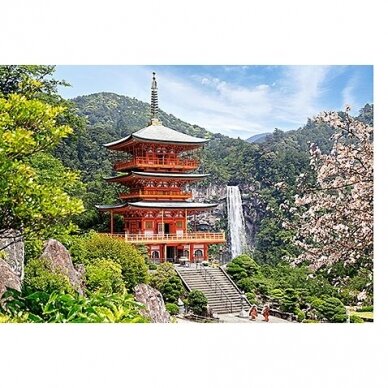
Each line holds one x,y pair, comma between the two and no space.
33,199
335,218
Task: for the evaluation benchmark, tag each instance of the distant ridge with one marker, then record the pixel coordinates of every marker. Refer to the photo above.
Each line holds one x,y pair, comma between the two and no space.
259,138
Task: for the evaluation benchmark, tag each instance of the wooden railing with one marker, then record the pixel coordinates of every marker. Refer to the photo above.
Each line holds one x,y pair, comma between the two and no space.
164,162
156,193
166,238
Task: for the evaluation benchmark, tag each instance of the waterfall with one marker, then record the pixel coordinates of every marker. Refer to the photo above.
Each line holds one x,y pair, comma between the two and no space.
236,222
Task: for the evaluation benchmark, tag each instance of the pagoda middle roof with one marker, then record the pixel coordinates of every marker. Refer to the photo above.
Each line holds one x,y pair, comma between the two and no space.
142,174
159,133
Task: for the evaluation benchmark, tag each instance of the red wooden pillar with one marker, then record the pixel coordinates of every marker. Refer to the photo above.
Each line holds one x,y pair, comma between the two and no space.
111,222
205,251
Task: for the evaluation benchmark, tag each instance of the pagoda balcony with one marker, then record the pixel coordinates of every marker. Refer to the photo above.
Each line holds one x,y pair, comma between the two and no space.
145,162
194,237
158,194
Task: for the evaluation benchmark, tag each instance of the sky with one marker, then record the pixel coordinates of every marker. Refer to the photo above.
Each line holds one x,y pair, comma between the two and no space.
237,101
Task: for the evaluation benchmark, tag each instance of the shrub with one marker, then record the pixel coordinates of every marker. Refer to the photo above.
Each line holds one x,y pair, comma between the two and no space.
104,275
40,276
242,267
166,280
333,310
300,314
252,298
356,319
246,285
152,266
97,246
172,308
197,302
163,272
289,300
365,309
61,308
172,289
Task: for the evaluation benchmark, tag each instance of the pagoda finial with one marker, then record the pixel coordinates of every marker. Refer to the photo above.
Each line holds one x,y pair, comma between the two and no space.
154,101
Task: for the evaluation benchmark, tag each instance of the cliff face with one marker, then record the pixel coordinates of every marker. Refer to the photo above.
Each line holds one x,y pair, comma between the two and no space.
217,219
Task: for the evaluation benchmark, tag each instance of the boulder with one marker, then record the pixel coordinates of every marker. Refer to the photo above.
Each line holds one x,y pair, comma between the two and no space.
8,278
12,246
59,258
153,302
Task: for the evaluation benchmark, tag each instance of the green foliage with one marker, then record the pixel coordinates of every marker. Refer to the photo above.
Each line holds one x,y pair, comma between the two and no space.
166,280
64,308
197,302
356,319
96,246
252,298
242,267
40,276
300,314
35,189
365,309
172,308
333,310
289,300
104,275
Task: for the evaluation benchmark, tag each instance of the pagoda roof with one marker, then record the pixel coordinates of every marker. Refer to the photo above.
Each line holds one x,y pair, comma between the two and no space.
156,132
159,205
141,174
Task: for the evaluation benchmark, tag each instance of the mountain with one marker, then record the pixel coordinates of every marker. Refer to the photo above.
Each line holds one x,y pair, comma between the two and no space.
259,138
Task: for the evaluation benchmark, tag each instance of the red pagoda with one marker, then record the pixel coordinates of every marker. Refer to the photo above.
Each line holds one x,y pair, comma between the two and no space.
156,203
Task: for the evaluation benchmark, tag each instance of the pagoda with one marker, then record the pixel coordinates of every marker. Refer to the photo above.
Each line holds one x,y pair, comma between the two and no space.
155,203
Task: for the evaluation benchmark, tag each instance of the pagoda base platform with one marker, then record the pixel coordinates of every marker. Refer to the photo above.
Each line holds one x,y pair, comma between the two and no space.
174,247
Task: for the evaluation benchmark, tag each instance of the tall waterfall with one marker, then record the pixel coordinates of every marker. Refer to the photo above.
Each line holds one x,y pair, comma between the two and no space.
236,222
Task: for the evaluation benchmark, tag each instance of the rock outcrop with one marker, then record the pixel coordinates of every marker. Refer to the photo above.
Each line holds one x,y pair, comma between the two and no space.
12,246
153,302
59,257
8,278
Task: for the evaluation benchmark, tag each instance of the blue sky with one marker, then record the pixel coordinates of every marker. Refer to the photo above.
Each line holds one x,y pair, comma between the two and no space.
238,101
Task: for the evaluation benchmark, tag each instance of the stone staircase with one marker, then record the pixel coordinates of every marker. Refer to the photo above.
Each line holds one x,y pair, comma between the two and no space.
221,292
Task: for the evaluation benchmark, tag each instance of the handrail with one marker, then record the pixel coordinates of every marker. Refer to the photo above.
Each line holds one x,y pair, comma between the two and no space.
212,282
156,193
144,238
170,162
235,285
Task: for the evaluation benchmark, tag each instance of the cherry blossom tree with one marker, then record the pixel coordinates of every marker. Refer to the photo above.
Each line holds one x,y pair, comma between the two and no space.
333,216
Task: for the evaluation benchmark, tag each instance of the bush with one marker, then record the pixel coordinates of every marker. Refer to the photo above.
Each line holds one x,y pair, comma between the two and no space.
40,276
356,319
104,275
197,302
172,289
152,266
300,314
289,301
252,298
365,309
97,246
242,267
172,308
57,307
166,280
333,310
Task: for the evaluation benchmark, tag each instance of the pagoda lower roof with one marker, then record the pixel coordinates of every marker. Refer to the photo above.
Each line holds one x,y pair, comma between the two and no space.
158,205
151,175
158,133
